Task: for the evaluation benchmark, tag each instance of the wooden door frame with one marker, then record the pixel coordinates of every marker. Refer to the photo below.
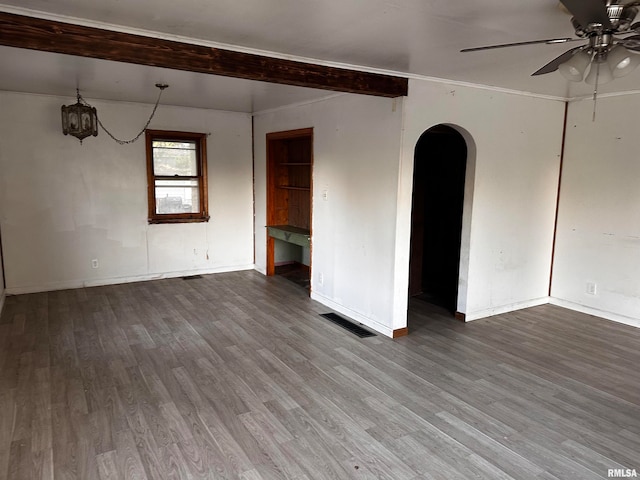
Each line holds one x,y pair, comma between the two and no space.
4,273
272,138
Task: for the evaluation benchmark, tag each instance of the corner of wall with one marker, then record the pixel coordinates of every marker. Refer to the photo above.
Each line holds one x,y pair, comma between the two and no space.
614,317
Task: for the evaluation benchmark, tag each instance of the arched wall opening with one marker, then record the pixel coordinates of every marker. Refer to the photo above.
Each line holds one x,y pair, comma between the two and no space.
442,194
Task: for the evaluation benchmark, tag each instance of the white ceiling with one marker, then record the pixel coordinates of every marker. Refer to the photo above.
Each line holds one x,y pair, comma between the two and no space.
413,37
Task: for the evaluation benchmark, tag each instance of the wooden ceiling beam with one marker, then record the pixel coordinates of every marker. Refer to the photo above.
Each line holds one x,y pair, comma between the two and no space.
51,36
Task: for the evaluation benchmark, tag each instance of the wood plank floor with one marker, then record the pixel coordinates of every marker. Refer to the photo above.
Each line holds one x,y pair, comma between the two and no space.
237,376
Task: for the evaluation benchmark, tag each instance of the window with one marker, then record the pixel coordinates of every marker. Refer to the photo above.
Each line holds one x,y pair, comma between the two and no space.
177,176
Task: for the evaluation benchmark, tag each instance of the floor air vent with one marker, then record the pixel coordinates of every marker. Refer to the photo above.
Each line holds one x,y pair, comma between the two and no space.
192,277
347,325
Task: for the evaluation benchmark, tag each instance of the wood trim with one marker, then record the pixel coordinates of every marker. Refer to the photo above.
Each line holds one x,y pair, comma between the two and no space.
150,177
461,316
400,332
289,134
555,222
272,140
58,37
203,191
4,273
271,266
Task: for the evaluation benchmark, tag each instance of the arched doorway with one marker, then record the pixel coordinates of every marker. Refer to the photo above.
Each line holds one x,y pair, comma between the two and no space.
440,163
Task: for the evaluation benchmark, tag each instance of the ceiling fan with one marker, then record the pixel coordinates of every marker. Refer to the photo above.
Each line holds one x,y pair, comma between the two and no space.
600,22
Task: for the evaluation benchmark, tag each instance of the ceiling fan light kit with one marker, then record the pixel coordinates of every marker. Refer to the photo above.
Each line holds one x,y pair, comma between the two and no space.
574,68
599,73
622,61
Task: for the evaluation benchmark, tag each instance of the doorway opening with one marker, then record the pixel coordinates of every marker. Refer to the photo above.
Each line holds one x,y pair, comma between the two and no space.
289,193
440,164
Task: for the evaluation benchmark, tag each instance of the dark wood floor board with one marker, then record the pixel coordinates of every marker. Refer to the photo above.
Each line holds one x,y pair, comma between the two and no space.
629,435
261,383
158,393
174,423
114,410
108,466
548,429
308,442
216,389
607,422
42,467
407,385
313,461
231,437
362,448
578,389
483,443
148,414
128,462
580,412
467,361
423,460
548,348
209,432
524,415
280,458
173,463
236,375
20,460
589,457
458,457
74,460
551,460
480,417
148,450
99,432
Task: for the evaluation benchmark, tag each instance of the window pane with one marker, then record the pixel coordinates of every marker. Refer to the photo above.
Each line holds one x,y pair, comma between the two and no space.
177,196
174,158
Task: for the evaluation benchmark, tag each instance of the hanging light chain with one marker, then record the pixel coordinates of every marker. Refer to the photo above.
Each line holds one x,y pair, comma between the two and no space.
161,86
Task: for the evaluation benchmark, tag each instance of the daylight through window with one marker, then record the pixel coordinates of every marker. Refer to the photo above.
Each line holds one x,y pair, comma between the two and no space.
176,166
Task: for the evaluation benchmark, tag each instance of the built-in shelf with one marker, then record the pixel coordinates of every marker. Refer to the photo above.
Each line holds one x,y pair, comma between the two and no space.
288,187
291,234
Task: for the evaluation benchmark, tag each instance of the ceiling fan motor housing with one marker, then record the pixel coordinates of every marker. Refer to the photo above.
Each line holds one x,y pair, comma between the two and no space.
621,17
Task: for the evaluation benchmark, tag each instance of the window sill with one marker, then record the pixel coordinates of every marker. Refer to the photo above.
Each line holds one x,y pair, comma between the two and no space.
156,221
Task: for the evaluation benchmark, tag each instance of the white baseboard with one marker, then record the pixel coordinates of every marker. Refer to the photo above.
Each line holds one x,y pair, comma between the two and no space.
634,322
116,280
489,312
378,327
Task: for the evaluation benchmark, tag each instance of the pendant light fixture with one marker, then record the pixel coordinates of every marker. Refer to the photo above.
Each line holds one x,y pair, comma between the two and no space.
81,119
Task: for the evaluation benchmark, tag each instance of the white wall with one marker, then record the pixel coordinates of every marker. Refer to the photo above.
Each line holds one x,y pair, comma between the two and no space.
63,204
515,144
356,153
598,239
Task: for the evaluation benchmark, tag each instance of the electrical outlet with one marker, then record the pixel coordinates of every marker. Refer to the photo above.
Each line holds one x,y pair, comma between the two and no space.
592,288
94,263
320,279
325,195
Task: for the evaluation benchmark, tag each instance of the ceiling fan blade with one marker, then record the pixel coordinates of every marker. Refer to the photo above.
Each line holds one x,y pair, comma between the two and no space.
632,43
553,65
588,11
548,41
